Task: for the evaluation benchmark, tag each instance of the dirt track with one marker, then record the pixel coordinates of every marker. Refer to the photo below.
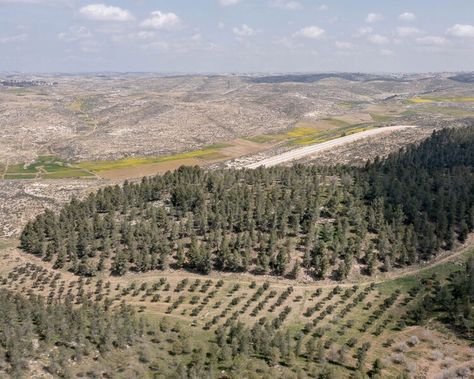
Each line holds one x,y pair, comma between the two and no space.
14,255
312,149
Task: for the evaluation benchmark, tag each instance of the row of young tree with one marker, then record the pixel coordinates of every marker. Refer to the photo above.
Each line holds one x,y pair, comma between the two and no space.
281,220
280,347
29,328
451,302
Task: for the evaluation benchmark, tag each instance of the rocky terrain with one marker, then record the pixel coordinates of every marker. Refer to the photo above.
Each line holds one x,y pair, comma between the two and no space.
21,200
109,117
65,136
84,118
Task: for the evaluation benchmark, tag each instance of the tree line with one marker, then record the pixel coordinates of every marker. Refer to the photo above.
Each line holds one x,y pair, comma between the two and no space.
281,220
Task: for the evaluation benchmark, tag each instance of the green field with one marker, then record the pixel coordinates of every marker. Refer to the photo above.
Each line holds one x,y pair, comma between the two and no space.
309,135
421,100
328,135
440,270
46,167
19,176
444,110
297,136
209,153
50,167
380,117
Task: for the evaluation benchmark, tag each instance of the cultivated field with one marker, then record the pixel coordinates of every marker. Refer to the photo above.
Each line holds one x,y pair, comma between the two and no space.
126,126
345,317
303,152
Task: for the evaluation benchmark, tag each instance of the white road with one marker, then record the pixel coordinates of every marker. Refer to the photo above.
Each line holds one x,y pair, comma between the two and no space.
309,150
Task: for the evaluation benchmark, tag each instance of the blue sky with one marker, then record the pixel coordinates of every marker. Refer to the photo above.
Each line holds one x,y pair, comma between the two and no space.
236,35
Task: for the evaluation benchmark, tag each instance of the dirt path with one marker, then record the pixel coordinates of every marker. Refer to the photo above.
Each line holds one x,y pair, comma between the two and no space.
41,171
302,152
444,257
16,256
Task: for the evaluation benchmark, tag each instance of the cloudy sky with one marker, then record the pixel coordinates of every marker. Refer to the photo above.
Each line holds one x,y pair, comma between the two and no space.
236,35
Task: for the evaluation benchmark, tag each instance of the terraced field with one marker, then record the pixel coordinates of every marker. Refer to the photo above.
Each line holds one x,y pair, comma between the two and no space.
338,320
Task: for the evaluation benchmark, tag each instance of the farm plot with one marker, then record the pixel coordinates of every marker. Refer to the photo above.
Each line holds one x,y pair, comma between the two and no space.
309,132
346,326
46,167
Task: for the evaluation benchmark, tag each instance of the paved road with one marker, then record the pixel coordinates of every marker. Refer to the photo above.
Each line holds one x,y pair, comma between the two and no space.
308,150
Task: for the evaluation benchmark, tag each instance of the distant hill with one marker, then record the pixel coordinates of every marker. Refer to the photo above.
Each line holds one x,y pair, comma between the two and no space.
311,78
467,77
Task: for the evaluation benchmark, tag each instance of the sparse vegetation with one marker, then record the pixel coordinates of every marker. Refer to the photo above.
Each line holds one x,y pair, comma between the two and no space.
286,272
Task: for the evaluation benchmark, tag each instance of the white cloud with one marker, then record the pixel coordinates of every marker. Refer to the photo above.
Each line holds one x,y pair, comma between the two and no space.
406,31
243,31
90,49
373,17
311,32
344,45
431,41
322,8
112,29
142,35
288,43
221,25
387,52
181,46
226,3
364,31
102,12
197,37
162,21
75,33
90,46
15,38
378,39
407,16
460,30
290,5
156,45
